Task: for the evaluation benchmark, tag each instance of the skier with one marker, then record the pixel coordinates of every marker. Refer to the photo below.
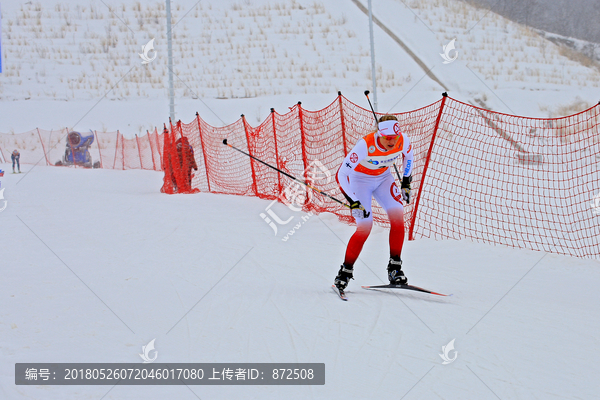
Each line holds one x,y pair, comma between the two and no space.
15,156
365,172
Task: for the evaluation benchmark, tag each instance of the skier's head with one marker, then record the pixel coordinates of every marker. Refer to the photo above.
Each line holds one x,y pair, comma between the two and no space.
387,117
388,126
16,152
388,130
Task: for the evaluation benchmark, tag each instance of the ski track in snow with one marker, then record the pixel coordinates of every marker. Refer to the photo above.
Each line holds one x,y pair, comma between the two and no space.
289,332
187,323
521,335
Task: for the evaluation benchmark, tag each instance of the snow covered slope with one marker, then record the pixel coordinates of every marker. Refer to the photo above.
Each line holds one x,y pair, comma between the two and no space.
77,64
96,263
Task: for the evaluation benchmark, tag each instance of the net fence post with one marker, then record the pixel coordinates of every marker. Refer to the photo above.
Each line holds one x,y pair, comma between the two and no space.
276,151
303,144
254,187
116,151
427,160
203,150
122,148
43,147
151,150
99,151
137,140
343,123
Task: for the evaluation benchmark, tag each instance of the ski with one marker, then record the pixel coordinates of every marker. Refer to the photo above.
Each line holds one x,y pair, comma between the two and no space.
340,293
407,287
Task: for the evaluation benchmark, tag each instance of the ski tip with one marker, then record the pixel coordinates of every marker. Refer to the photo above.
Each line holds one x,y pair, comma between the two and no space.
409,287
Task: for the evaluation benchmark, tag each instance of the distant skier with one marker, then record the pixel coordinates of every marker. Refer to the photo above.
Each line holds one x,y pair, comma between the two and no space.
15,156
365,173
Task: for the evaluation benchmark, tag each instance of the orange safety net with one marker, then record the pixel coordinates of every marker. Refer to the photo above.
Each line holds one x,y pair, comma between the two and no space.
109,150
518,181
478,174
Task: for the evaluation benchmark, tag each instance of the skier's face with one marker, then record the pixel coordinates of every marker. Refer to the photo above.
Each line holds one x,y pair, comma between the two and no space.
389,141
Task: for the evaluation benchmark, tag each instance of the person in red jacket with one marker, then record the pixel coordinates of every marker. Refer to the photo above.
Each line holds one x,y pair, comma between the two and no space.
365,173
185,153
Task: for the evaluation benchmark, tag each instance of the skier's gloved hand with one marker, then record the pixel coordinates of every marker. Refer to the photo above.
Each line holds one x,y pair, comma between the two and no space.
405,188
358,211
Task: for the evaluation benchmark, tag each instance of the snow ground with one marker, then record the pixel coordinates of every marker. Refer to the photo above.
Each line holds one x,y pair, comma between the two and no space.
96,263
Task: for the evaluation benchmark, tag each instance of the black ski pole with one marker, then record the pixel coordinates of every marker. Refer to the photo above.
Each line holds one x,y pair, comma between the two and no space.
371,105
375,115
286,174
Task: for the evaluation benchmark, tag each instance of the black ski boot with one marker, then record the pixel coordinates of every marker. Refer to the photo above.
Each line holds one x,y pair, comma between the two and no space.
395,274
343,277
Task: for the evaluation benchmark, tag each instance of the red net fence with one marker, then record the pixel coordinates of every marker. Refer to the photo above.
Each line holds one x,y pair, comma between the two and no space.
109,150
480,175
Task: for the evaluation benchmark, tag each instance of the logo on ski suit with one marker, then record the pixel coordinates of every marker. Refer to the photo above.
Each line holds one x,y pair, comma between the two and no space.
396,193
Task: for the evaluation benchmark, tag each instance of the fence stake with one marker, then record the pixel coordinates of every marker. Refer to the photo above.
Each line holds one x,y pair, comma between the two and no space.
122,148
276,152
343,124
151,150
43,147
99,151
254,186
427,159
303,144
203,151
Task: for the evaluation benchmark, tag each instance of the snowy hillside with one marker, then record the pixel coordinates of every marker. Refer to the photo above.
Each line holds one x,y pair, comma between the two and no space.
225,50
96,263
67,62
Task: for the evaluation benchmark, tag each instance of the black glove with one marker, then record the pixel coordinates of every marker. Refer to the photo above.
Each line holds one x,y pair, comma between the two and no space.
405,188
358,211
